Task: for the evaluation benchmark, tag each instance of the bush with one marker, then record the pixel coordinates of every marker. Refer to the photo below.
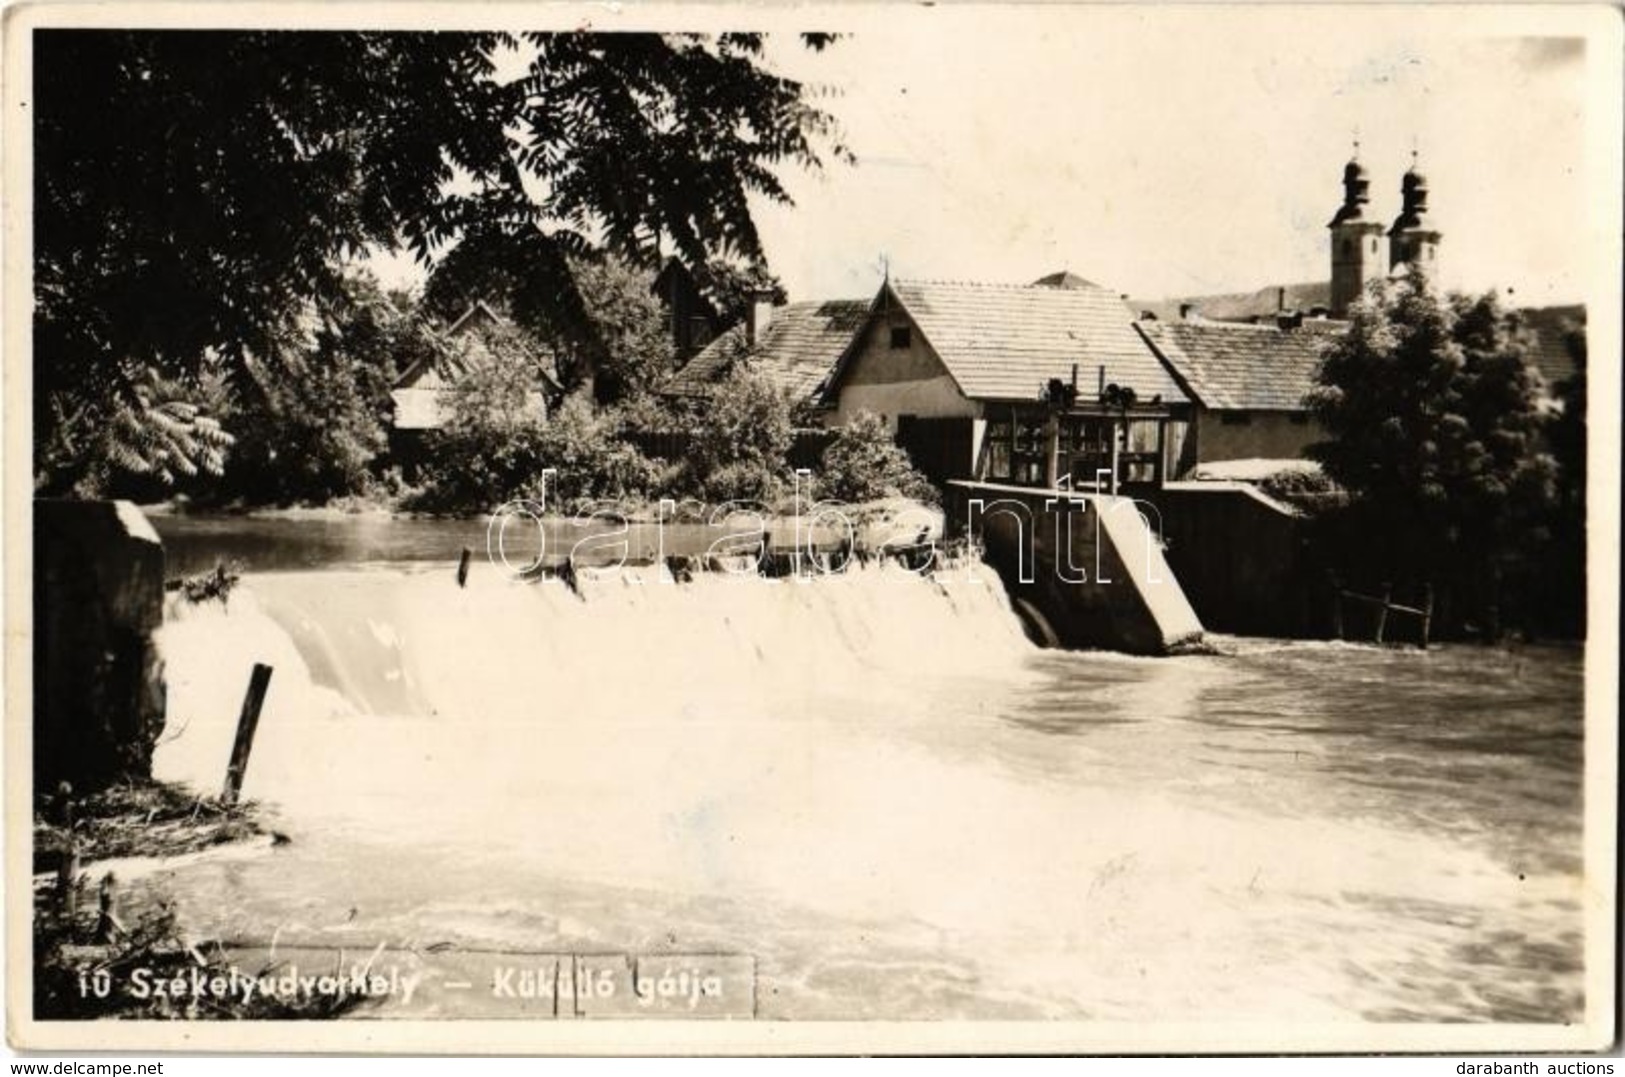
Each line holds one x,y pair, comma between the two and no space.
741,442
484,459
1309,490
592,459
314,436
864,463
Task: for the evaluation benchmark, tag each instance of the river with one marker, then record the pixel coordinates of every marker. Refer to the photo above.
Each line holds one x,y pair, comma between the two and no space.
876,787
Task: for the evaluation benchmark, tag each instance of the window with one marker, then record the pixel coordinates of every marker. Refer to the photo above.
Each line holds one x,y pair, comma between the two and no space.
998,451
902,336
1031,450
1235,418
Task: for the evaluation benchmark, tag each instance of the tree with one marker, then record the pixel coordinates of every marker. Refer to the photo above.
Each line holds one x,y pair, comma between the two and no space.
159,434
616,345
1434,415
194,190
310,418
733,288
488,451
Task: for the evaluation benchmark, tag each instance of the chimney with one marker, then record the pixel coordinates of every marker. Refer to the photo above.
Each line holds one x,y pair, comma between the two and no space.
1280,300
1185,311
758,316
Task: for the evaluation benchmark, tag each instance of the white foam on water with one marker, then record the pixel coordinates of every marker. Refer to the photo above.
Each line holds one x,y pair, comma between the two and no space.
781,741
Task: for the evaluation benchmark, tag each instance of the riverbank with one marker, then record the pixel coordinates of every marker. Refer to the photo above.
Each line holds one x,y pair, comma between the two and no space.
92,929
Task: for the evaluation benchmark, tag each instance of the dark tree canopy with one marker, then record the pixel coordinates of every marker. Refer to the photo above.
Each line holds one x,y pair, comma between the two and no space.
196,190
1438,434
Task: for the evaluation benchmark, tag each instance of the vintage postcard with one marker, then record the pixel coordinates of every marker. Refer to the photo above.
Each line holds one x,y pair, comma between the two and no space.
582,528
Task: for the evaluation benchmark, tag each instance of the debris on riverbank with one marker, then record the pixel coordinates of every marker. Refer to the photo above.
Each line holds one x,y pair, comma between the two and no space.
148,819
91,937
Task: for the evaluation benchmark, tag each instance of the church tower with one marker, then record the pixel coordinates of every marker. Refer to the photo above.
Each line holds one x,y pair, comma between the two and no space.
1356,241
1410,240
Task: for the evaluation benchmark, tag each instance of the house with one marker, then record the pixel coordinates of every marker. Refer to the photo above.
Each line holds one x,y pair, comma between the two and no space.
1246,383
420,394
795,346
1025,384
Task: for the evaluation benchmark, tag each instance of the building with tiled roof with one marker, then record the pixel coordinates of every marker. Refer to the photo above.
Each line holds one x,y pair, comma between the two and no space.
1016,383
1550,327
986,343
419,394
1247,384
797,349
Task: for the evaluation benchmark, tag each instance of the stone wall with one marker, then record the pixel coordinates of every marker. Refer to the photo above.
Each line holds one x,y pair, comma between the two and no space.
98,680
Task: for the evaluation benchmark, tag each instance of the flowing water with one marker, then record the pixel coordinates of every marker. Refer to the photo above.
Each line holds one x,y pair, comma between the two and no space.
876,786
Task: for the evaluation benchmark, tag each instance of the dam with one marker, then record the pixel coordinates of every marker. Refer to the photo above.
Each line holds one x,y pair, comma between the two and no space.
873,783
1085,570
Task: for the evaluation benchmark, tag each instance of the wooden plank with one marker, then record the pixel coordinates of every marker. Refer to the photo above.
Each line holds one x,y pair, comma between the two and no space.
247,722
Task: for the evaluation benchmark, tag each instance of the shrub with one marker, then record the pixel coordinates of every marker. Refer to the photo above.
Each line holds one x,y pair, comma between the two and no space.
591,458
864,463
741,441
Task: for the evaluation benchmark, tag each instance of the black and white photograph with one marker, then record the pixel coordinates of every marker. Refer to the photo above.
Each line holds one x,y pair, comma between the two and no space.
964,528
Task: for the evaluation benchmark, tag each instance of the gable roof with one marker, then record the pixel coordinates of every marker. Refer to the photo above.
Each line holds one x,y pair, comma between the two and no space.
797,351
1229,366
471,319
1064,279
447,365
1005,342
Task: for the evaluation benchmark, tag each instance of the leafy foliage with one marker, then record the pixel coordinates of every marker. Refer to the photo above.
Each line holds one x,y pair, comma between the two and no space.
864,463
311,417
740,442
157,432
499,438
1435,419
733,288
196,191
616,345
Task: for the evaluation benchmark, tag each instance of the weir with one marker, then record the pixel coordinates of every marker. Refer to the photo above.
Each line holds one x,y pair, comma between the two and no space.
1084,570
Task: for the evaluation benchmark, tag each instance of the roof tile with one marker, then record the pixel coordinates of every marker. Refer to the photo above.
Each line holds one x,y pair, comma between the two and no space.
1241,367
1005,342
797,352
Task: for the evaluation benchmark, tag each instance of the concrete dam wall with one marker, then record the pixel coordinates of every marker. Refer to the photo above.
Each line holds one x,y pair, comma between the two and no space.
1085,570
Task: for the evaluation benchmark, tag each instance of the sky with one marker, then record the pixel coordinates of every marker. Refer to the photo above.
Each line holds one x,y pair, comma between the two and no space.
1176,151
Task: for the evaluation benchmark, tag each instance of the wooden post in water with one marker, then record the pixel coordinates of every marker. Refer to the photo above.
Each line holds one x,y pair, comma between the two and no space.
1427,613
462,567
1382,610
247,722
